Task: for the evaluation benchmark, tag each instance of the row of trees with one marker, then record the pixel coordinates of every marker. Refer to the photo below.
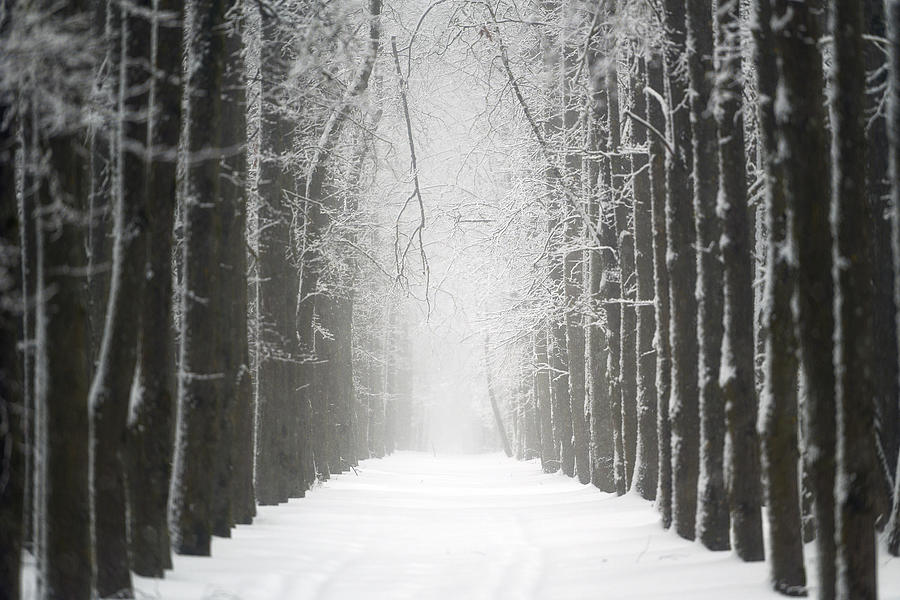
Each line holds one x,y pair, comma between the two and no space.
710,311
183,249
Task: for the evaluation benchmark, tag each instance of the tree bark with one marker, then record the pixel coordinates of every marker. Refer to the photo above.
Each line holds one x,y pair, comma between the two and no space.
892,17
856,480
779,431
738,348
151,423
202,366
12,400
803,145
647,457
680,260
661,342
111,387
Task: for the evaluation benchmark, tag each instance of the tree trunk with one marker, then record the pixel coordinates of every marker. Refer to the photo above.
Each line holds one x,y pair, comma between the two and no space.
680,260
803,146
892,17
549,462
656,118
277,277
855,486
647,457
63,508
151,423
738,348
602,446
711,503
780,454
886,359
111,388
202,384
12,407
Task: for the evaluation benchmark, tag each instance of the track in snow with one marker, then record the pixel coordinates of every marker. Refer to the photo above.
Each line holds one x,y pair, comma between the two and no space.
463,527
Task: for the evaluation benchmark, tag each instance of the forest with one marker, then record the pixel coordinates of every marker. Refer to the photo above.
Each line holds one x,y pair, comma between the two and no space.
252,250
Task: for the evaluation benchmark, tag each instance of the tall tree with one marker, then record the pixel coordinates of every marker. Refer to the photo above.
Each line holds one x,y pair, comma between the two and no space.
602,448
855,484
111,387
778,402
802,143
201,381
738,348
661,345
680,260
647,457
892,16
151,419
12,400
711,505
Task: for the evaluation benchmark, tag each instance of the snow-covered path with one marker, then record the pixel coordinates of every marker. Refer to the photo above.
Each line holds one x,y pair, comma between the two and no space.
464,527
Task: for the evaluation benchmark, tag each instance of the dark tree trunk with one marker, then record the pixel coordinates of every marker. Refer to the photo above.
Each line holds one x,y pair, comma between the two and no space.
572,261
656,118
63,507
892,17
878,185
12,407
277,276
601,445
780,454
647,457
680,260
738,348
803,146
233,494
111,388
710,503
151,424
856,481
628,360
202,365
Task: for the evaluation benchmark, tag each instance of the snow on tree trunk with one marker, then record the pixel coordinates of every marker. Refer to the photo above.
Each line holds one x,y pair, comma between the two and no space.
549,462
661,342
680,260
202,366
803,146
602,447
738,348
114,375
778,401
277,276
647,458
712,519
151,417
856,479
572,261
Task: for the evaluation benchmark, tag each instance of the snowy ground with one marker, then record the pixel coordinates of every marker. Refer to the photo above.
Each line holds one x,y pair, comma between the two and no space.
463,527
